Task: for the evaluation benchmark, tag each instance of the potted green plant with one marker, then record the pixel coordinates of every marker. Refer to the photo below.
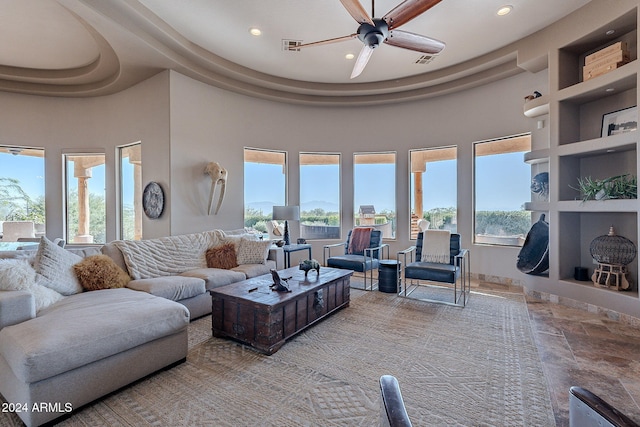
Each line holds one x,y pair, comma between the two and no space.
615,187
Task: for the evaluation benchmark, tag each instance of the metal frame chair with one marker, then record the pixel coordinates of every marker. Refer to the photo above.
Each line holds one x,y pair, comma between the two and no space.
456,273
393,413
362,263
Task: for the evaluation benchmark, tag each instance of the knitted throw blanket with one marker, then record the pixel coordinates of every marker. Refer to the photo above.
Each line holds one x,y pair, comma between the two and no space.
435,246
360,239
165,256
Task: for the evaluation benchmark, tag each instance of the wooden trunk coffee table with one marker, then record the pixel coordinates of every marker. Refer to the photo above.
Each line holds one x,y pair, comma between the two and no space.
251,313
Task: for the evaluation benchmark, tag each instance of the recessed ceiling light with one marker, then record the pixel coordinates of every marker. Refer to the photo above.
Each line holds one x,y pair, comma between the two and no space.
349,56
255,31
504,10
609,89
610,32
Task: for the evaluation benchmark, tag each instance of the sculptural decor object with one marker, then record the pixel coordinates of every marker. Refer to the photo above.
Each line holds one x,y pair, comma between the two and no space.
310,264
153,200
540,185
534,255
279,283
612,253
218,176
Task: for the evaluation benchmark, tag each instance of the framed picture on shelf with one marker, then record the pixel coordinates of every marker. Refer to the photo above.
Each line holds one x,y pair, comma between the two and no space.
621,121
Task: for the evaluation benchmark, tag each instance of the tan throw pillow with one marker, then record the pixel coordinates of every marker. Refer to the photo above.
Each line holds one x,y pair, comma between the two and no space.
97,272
253,251
54,266
223,256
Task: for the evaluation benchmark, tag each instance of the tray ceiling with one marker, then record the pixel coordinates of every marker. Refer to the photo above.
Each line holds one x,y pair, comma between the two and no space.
97,47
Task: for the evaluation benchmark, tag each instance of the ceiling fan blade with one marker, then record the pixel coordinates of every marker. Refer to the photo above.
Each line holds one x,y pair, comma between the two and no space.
411,41
328,41
406,11
362,60
356,10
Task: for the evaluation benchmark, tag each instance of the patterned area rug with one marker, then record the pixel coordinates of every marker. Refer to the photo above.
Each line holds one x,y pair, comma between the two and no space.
476,366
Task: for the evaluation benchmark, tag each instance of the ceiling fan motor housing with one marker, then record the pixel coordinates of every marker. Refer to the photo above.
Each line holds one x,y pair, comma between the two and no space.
371,35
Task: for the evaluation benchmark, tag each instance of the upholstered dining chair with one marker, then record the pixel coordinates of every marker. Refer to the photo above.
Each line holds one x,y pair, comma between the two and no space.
361,252
446,267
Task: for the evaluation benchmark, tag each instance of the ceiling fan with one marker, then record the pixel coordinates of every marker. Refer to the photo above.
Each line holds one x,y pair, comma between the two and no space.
374,31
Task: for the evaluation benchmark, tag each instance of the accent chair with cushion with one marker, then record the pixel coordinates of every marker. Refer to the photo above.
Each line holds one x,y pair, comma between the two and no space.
361,252
436,259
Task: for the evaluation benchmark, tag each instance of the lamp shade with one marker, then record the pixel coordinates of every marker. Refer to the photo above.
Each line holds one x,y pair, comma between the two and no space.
286,213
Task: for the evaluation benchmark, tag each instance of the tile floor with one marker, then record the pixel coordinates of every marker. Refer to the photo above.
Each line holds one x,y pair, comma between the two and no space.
583,349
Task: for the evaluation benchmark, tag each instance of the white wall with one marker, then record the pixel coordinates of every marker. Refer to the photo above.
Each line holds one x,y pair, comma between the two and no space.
60,125
183,124
209,124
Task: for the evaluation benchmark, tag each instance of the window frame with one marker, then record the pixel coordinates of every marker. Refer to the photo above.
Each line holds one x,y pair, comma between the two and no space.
454,148
475,155
339,164
285,171
15,150
65,195
137,193
393,220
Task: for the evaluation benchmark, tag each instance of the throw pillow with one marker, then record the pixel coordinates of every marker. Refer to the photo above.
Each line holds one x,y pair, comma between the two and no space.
97,272
54,266
18,275
253,251
223,256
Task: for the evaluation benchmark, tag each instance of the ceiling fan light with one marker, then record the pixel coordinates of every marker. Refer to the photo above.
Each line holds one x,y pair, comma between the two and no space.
504,10
255,31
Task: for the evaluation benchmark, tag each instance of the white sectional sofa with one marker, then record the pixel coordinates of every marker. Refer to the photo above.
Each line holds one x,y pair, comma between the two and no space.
84,345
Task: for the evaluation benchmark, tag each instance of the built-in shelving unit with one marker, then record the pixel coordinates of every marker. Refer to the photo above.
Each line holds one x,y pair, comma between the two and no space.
577,149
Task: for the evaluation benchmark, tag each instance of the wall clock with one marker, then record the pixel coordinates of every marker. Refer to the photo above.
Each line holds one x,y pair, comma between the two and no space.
153,200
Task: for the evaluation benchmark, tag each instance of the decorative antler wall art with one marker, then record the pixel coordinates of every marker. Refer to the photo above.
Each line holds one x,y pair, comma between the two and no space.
218,176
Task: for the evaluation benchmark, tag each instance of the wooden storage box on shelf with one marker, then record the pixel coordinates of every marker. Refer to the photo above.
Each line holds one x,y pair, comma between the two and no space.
605,51
605,60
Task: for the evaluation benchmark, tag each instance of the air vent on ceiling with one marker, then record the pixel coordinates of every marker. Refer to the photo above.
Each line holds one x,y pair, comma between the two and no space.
291,45
424,59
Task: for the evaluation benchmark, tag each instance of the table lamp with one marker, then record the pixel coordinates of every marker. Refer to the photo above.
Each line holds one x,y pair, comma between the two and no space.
286,213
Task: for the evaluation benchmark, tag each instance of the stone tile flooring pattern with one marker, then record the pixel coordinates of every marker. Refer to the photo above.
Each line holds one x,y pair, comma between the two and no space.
583,349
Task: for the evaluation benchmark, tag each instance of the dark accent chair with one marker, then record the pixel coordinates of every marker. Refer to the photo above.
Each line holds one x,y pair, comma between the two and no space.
392,410
456,272
588,410
364,262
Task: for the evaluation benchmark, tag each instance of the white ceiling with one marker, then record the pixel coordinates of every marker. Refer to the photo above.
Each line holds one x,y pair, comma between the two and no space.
92,47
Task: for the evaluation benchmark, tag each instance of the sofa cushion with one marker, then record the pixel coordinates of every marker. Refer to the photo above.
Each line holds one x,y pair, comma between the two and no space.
253,270
175,288
87,327
223,256
253,251
54,266
215,277
112,251
97,272
18,275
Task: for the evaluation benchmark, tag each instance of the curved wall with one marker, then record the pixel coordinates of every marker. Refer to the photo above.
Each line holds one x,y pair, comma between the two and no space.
183,124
